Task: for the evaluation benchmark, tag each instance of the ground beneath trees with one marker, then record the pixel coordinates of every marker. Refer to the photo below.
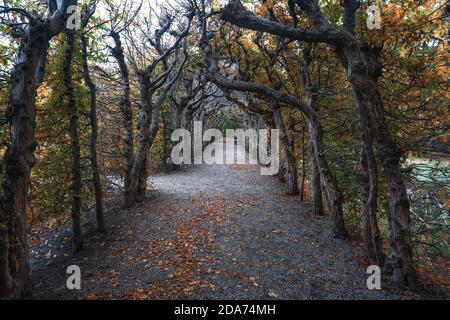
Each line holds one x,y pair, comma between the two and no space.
207,232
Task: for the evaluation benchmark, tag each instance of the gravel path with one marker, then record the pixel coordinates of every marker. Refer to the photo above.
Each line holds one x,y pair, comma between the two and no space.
208,232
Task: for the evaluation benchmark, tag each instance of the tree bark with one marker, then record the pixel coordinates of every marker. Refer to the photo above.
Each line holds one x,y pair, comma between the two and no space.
371,234
151,135
19,156
325,175
291,170
152,132
93,139
42,63
125,107
137,191
18,162
332,189
303,151
74,142
148,128
316,184
369,184
401,259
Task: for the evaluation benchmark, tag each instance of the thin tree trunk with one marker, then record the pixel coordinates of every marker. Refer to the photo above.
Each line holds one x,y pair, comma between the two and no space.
291,170
175,121
75,143
148,128
325,175
151,135
371,234
179,123
369,182
293,185
188,124
125,107
93,140
165,134
316,184
140,159
332,190
170,122
303,151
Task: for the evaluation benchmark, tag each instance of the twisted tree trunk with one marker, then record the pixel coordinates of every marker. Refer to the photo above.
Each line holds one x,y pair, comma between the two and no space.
18,161
19,156
324,174
316,184
152,131
151,135
371,234
401,260
369,183
137,185
77,236
125,107
93,140
291,170
303,151
333,193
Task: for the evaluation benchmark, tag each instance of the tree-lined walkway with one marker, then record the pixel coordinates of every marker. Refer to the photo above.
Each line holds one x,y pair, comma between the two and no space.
208,232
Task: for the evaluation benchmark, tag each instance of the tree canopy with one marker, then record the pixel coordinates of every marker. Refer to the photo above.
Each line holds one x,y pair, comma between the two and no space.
90,98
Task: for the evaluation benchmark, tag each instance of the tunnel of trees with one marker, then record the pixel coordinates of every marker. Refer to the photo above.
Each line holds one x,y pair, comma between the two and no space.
89,100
